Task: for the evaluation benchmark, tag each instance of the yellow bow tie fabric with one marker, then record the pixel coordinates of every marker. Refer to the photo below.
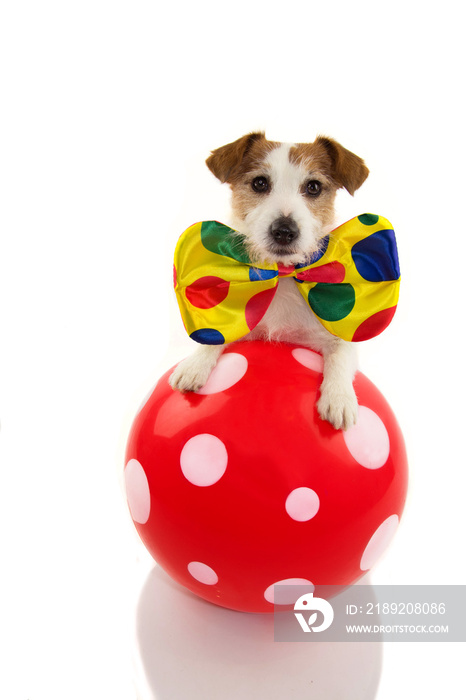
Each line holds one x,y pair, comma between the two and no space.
351,284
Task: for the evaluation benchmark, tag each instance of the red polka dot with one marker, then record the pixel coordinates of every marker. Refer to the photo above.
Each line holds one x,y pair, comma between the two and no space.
331,273
207,292
374,325
257,306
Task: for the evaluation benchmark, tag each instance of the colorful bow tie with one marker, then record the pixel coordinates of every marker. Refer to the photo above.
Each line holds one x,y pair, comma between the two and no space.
351,284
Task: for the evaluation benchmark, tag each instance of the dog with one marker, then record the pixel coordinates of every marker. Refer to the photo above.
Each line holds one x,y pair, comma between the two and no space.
283,205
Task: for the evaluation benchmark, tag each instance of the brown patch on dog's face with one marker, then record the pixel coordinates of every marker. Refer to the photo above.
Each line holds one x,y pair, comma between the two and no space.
345,168
228,163
238,164
244,197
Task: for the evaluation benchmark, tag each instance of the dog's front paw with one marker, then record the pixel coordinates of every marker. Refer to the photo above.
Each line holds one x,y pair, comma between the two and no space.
338,408
190,375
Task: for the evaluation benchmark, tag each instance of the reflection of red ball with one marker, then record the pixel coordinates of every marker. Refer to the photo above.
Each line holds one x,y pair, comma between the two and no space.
242,485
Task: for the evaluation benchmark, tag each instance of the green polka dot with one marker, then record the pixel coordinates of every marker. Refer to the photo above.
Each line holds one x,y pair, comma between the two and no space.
368,219
223,240
332,302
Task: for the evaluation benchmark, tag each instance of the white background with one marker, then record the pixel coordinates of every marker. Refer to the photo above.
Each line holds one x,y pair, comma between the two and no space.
108,110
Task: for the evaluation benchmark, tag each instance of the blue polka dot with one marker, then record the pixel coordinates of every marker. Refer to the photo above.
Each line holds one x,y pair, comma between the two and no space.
208,336
376,257
318,254
256,274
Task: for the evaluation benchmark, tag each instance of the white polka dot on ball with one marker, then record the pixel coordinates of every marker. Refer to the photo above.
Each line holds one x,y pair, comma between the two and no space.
230,369
308,358
202,573
137,491
379,542
204,459
302,504
285,596
368,440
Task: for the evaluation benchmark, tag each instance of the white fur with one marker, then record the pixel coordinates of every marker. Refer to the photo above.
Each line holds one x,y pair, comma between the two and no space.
288,317
285,199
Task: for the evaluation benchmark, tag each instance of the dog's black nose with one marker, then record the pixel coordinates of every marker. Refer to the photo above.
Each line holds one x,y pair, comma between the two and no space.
284,230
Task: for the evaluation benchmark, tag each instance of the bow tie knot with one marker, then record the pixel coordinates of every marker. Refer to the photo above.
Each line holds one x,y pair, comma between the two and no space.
351,283
286,271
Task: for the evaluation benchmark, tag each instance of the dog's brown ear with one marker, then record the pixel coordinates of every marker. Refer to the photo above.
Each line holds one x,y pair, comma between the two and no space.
348,170
225,162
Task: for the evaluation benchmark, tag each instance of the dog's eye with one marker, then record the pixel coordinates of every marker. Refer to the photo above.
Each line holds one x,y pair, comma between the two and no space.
313,188
260,184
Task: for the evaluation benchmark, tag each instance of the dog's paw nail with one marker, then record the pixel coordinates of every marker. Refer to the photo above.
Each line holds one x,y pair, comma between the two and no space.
341,411
187,377
181,383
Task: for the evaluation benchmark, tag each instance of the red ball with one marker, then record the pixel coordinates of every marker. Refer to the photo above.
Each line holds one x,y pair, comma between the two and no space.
241,485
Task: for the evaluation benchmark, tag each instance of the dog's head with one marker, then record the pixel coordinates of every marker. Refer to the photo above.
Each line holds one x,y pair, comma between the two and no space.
283,194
